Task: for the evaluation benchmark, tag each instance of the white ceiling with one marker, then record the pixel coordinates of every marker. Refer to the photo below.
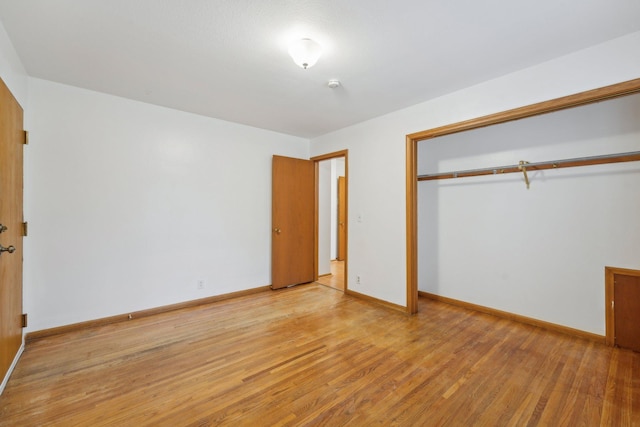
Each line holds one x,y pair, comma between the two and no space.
228,58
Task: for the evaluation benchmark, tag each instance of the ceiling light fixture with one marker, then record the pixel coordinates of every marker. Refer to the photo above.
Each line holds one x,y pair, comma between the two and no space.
305,52
333,83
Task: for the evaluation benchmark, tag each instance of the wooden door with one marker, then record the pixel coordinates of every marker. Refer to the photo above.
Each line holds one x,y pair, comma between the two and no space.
11,144
626,308
292,222
342,218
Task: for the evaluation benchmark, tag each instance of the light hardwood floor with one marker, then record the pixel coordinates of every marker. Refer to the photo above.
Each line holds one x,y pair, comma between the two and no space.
312,356
334,280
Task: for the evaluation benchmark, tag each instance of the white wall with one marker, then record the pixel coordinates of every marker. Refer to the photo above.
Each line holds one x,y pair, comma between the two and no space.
337,170
324,217
11,69
129,205
377,250
539,252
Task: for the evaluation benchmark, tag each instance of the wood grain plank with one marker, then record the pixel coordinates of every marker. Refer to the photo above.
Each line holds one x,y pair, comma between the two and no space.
312,356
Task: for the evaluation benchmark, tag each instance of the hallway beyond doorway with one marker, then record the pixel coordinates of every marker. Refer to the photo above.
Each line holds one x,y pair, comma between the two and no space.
334,280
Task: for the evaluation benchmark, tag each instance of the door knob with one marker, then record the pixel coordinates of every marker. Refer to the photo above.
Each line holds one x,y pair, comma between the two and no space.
3,228
277,230
11,249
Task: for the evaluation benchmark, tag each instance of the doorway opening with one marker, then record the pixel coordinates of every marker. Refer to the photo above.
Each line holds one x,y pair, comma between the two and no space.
331,219
412,140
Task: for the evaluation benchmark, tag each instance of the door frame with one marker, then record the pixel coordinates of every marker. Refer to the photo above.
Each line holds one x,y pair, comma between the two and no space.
582,98
316,160
609,285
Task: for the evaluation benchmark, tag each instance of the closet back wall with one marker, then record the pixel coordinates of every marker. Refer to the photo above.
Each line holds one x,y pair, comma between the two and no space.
540,252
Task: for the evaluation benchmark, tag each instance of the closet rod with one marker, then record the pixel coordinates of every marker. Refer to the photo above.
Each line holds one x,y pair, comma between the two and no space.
632,156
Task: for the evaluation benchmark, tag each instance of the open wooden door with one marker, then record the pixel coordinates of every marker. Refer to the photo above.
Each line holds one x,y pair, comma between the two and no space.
292,222
342,218
11,145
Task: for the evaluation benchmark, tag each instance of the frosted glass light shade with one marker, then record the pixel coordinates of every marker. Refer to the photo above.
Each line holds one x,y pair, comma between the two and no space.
305,52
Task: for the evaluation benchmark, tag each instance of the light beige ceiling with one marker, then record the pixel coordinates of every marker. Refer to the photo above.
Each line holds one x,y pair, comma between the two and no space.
228,58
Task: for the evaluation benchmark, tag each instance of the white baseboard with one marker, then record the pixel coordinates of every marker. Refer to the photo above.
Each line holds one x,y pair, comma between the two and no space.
12,367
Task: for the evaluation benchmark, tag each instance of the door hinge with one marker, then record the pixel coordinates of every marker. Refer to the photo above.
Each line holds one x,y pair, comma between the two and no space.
25,228
24,320
26,137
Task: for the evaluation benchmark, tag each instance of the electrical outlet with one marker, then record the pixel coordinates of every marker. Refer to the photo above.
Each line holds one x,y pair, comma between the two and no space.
358,280
200,284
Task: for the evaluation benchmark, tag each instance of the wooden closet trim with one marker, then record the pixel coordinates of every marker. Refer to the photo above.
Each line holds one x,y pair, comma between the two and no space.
583,98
